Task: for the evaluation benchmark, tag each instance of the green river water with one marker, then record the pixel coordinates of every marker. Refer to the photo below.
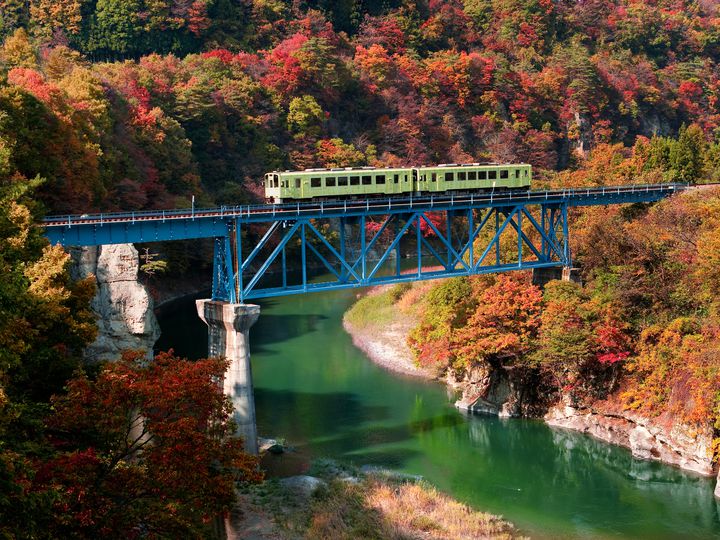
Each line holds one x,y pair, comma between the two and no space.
324,397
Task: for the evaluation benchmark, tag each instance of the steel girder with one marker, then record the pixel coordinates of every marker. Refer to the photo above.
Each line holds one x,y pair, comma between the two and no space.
306,254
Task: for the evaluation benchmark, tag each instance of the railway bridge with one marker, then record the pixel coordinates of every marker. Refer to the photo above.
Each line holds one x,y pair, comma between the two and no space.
263,251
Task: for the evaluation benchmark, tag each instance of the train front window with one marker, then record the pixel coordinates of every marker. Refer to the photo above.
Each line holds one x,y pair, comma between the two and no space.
315,182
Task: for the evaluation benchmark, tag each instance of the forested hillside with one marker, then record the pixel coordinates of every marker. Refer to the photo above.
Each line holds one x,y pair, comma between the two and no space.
140,104
137,104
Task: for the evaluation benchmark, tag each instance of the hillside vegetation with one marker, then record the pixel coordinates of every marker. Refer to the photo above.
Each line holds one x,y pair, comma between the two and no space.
135,104
143,104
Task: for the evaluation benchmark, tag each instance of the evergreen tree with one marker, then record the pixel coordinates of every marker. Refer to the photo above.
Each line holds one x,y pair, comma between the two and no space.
687,154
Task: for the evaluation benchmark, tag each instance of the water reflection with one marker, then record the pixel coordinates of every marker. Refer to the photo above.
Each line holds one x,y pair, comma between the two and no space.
316,390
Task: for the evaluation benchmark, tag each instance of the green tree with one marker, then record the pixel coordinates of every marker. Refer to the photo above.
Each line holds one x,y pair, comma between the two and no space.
115,28
565,337
305,117
687,155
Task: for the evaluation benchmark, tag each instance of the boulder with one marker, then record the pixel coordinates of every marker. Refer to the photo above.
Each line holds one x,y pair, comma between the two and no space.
303,485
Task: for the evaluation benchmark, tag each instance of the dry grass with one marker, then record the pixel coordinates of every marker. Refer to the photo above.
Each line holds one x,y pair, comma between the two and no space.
416,510
380,509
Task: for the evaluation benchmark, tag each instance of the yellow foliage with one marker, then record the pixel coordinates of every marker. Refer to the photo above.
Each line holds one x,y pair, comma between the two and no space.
47,274
17,51
57,14
22,219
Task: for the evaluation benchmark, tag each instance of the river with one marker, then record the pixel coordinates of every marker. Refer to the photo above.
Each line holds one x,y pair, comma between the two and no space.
323,396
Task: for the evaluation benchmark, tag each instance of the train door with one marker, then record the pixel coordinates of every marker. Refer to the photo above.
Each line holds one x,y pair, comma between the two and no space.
416,181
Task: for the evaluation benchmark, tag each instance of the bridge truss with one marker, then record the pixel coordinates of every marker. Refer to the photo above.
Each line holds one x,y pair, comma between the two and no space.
276,250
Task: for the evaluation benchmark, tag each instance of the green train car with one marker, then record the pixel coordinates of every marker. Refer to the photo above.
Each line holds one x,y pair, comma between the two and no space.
364,182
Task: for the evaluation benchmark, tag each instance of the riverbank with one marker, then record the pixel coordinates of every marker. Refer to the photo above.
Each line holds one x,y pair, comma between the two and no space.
662,438
381,333
339,502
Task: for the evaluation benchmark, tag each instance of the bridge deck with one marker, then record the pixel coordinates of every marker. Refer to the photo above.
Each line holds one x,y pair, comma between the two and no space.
162,225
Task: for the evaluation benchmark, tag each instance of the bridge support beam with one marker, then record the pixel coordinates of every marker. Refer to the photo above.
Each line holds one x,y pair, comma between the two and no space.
229,336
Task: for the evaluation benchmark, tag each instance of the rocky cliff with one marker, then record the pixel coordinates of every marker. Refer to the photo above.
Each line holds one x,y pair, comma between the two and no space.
122,304
487,390
663,439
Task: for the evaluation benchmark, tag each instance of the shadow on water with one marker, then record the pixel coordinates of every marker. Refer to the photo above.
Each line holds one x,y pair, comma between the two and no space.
314,389
191,341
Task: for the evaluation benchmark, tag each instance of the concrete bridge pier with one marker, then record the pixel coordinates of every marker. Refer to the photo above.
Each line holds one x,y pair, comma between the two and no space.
541,276
229,336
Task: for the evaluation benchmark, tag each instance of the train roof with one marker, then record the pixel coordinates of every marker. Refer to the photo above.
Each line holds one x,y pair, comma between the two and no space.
351,169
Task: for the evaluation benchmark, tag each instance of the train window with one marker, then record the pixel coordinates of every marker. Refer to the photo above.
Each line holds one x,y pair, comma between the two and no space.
472,175
396,178
330,181
367,180
297,183
267,182
526,173
342,181
315,182
449,177
433,177
380,179
284,183
517,173
503,174
354,180
492,175
462,175
406,177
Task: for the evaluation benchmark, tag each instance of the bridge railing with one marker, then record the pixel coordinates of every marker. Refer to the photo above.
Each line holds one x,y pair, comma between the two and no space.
297,209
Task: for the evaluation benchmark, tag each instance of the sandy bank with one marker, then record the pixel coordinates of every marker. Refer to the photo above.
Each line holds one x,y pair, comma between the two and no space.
387,347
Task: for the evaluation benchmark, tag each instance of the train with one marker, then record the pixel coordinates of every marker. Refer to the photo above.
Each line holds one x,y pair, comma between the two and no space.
368,182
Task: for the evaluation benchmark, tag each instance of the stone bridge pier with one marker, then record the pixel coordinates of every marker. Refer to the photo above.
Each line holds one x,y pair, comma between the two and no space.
229,336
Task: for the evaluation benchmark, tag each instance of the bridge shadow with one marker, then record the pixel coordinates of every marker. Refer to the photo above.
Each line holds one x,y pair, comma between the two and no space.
339,425
184,332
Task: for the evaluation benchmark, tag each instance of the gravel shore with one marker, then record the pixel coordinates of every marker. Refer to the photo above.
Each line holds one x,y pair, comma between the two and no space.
387,346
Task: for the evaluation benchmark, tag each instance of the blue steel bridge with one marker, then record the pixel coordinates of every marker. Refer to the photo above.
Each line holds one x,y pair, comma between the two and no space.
263,251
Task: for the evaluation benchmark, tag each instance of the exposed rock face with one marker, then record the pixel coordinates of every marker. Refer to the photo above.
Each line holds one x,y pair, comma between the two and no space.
667,441
494,390
123,306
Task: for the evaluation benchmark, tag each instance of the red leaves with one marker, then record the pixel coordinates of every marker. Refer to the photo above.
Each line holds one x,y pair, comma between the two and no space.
35,83
148,436
284,69
198,20
504,323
